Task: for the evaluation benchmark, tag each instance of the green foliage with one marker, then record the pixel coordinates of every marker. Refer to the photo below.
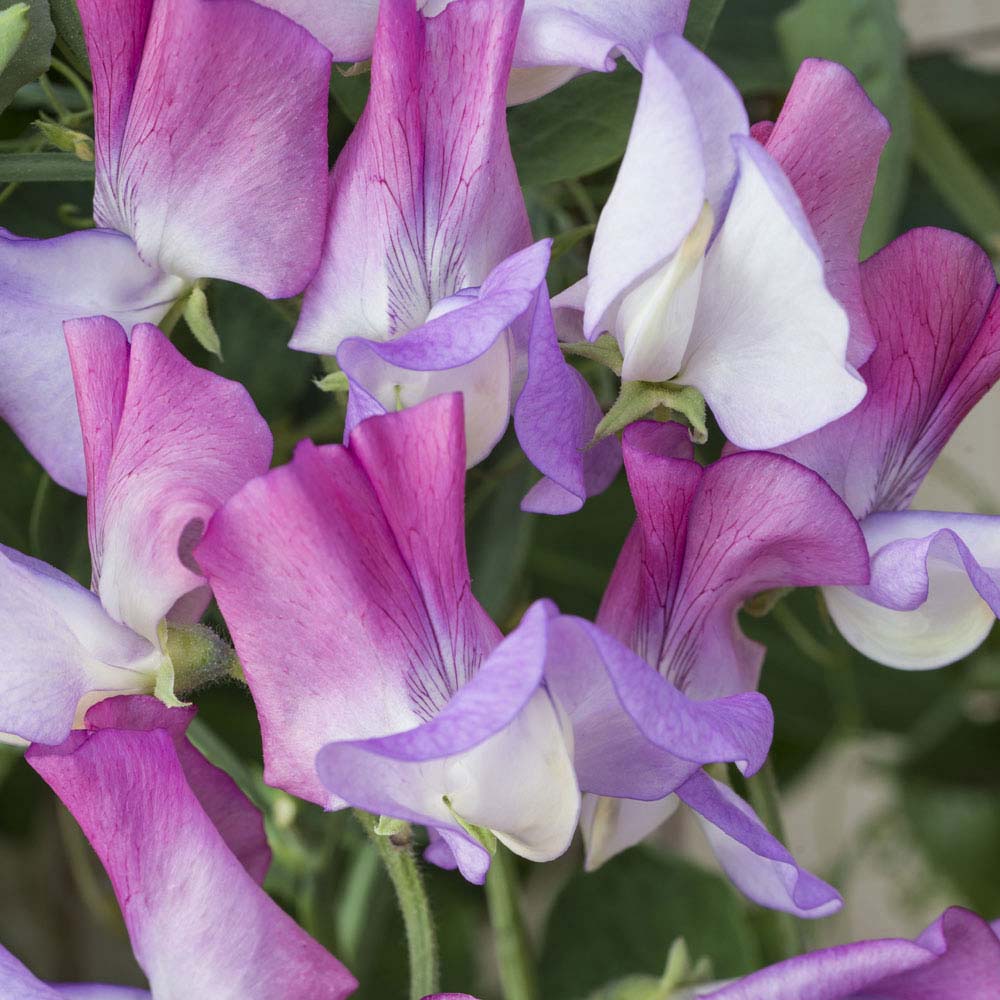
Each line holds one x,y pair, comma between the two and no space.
27,57
44,167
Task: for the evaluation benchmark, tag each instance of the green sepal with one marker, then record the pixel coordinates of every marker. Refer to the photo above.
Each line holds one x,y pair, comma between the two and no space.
196,657
484,836
164,689
14,26
638,400
604,350
67,139
386,826
200,323
332,382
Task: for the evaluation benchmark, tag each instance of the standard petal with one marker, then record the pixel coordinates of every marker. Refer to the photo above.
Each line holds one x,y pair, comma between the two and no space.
184,441
760,866
828,140
344,582
210,125
181,889
934,591
931,296
705,541
495,756
42,284
425,199
58,649
769,341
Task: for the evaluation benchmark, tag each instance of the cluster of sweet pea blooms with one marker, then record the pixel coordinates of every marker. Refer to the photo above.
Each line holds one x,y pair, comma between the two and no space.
724,271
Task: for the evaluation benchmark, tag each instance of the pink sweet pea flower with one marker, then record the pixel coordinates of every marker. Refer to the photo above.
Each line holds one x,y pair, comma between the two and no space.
556,39
731,267
429,283
210,150
380,682
186,854
958,957
935,577
166,443
659,687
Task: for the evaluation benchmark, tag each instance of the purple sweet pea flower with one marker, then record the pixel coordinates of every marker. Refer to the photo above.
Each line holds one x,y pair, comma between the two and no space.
380,682
659,687
958,957
165,444
210,150
935,577
556,39
429,283
186,854
718,265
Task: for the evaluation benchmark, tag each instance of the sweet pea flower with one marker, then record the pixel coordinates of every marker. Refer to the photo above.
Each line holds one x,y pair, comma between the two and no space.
429,282
556,39
935,577
210,152
719,264
957,956
664,682
165,443
187,855
379,680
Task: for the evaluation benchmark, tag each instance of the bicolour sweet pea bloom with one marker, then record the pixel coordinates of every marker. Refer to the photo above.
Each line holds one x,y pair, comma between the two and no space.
187,855
556,39
165,443
719,264
958,957
934,591
429,282
211,158
380,682
664,683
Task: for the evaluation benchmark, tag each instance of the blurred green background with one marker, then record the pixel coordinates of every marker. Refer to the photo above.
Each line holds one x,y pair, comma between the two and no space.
890,779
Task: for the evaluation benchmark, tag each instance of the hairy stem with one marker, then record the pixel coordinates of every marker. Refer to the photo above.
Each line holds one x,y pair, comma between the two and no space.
514,956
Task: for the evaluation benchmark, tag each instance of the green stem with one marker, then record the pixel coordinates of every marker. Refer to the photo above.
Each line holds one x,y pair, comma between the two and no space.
517,964
401,865
762,790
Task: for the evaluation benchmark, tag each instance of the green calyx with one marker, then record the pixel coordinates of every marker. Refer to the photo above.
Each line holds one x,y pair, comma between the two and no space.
193,657
199,322
67,139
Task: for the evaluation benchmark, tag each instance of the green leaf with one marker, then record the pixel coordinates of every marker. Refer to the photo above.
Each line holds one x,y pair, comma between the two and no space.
44,167
576,130
13,29
620,920
866,37
702,15
30,56
745,44
565,242
66,18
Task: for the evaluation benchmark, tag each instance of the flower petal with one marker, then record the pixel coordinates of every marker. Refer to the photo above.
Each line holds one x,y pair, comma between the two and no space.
495,756
760,866
828,140
58,646
768,345
934,591
43,283
180,888
425,198
347,29
610,825
18,983
344,582
242,93
929,296
176,443
705,541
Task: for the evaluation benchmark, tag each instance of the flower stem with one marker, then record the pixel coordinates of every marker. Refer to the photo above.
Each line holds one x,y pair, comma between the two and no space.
517,964
762,790
421,941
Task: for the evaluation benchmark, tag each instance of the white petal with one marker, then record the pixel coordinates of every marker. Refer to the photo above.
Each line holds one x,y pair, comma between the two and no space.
611,826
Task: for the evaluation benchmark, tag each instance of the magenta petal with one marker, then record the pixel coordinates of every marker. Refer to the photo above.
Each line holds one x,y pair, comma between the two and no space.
43,283
635,735
425,199
181,890
234,815
241,92
760,866
828,140
344,582
169,442
931,297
